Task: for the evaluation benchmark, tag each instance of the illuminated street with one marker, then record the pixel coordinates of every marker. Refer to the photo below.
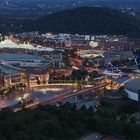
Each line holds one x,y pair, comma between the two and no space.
36,94
70,70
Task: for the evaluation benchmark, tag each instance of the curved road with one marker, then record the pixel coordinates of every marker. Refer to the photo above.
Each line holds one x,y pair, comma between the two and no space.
64,96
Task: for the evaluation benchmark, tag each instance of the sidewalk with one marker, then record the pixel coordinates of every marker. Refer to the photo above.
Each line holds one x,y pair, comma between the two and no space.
94,136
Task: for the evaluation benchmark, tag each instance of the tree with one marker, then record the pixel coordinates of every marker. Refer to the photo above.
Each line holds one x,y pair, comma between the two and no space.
38,82
76,85
27,78
44,81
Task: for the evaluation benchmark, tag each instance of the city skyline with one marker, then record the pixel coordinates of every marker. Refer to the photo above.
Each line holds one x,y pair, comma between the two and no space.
70,70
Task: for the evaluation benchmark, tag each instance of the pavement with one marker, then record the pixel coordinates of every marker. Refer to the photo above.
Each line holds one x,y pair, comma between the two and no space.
93,136
38,94
50,94
63,97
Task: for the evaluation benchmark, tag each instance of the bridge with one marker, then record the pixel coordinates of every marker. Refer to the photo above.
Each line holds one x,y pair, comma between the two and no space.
111,70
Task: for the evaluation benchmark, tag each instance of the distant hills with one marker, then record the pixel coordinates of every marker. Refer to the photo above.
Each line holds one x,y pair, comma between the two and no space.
83,20
87,20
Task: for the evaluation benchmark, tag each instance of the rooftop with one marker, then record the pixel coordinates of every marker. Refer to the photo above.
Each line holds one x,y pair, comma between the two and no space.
133,85
10,44
36,64
120,80
7,70
22,57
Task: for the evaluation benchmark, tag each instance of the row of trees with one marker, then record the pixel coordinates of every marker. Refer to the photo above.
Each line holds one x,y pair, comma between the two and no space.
9,90
66,123
76,76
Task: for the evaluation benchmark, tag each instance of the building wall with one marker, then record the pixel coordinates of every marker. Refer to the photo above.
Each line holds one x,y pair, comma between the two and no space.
9,80
42,78
132,95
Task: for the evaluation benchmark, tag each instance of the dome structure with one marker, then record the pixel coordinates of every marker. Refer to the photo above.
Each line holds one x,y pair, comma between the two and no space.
132,88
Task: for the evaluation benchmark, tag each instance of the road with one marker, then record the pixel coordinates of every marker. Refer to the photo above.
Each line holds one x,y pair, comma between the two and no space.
64,96
38,94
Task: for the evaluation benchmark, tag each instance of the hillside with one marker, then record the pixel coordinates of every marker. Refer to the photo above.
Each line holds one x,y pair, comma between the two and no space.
83,20
91,20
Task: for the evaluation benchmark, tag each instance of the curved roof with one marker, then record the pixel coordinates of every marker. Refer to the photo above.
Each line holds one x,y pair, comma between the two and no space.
9,44
133,85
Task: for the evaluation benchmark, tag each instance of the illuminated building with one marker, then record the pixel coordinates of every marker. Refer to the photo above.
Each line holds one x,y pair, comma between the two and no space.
35,66
132,88
12,45
10,75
